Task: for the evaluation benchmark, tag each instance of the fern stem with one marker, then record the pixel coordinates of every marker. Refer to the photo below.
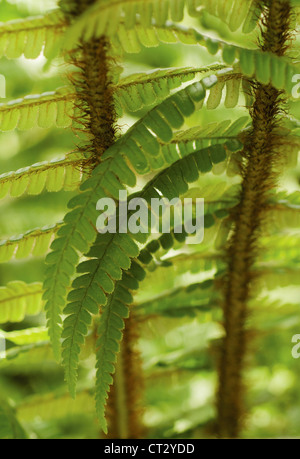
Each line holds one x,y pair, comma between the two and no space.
124,412
92,83
259,154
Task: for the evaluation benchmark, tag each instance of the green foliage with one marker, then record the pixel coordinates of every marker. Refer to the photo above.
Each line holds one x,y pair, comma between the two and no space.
19,300
236,13
31,36
180,132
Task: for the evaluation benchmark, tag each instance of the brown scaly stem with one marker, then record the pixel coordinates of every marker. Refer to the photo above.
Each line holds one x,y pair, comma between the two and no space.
260,156
95,104
124,407
92,82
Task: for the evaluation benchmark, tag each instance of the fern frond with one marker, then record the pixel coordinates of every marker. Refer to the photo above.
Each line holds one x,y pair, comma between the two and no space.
103,18
183,302
26,358
55,175
145,89
43,110
35,242
90,292
112,254
31,36
197,138
252,63
111,327
107,179
27,336
279,276
18,300
10,428
171,183
55,406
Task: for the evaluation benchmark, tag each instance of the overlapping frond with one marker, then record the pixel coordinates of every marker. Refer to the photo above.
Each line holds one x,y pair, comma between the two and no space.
31,36
64,173
103,18
139,145
18,300
44,110
34,242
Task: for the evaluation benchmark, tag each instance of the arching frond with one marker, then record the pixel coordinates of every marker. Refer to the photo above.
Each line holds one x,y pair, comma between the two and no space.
56,107
18,300
31,36
64,173
137,145
35,242
103,18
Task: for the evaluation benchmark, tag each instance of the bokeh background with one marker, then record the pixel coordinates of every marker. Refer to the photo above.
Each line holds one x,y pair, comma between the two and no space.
177,352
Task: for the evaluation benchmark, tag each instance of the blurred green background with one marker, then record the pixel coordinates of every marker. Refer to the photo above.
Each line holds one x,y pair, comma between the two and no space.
177,352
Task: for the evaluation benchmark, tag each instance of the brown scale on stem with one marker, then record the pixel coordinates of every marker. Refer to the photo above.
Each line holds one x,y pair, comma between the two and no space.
260,156
95,103
124,408
96,118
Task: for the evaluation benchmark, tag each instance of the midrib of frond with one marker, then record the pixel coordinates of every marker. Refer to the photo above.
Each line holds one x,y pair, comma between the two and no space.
21,295
248,217
58,27
37,100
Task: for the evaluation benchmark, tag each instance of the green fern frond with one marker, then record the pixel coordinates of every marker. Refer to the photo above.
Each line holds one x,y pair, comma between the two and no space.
55,175
44,110
31,36
103,18
55,406
196,138
107,180
90,290
10,428
26,358
184,301
35,242
252,63
131,93
27,336
145,89
18,300
171,183
112,254
237,14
